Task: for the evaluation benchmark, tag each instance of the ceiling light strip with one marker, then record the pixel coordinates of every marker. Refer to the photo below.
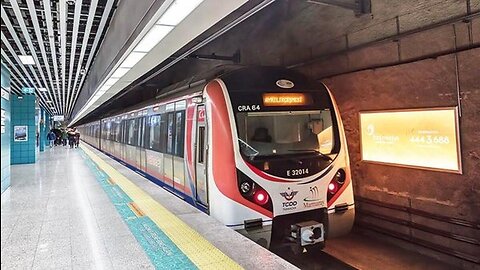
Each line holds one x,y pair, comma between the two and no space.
19,45
26,35
15,73
33,15
13,66
86,37
63,48
175,12
53,48
101,29
73,48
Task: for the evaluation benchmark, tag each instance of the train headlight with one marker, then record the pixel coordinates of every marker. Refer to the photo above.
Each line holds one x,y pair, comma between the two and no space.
245,187
332,188
340,176
261,197
336,184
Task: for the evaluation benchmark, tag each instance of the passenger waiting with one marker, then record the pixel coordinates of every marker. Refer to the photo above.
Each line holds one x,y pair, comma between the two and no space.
64,137
71,138
77,137
51,137
261,135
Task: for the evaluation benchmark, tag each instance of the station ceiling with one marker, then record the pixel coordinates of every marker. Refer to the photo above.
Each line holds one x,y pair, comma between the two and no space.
62,37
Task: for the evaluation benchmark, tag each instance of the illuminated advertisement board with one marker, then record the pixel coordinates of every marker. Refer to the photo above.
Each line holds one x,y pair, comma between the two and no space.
421,138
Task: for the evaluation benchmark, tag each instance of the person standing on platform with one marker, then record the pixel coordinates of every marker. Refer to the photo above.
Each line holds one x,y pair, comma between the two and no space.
77,137
64,137
71,138
51,137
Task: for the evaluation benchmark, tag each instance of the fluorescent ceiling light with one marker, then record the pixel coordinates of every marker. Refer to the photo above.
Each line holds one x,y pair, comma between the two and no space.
111,81
178,11
42,89
156,33
49,101
26,59
132,59
120,72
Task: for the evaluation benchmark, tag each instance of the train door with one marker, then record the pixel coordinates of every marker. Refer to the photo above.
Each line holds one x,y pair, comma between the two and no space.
201,192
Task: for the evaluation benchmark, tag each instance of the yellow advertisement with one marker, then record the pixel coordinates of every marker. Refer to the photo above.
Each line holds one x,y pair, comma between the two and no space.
425,138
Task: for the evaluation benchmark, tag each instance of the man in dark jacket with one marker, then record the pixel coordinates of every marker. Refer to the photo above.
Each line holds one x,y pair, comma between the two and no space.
51,137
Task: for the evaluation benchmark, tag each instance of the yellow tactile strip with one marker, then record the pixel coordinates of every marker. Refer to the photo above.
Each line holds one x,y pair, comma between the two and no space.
199,250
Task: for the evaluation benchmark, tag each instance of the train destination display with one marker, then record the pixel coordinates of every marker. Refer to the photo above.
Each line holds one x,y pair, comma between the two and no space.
424,138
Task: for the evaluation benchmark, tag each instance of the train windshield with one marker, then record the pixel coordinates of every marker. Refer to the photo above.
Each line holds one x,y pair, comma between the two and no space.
277,133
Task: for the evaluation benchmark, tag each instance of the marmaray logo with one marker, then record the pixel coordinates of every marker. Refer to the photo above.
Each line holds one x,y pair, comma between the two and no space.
314,199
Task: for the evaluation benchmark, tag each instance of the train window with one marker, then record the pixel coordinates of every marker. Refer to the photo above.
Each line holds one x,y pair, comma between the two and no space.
123,131
141,129
201,145
170,131
163,133
136,132
131,132
153,130
286,132
179,133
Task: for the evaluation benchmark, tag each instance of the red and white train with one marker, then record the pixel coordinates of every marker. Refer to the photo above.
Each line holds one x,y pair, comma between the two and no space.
261,149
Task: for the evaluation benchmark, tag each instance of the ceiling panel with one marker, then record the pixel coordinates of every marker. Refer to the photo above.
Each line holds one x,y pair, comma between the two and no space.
62,36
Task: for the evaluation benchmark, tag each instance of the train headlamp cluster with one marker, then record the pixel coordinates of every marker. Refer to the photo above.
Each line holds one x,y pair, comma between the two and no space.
253,192
246,187
336,183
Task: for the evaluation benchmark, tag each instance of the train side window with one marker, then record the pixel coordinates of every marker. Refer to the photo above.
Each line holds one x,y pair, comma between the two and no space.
138,132
201,145
153,141
163,133
179,133
170,133
131,132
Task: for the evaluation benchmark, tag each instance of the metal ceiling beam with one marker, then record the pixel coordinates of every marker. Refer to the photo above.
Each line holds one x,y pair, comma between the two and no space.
13,66
63,48
73,48
26,35
101,28
18,89
19,45
33,15
86,36
53,49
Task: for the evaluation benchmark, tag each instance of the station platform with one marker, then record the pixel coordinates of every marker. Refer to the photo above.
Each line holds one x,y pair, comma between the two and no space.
79,209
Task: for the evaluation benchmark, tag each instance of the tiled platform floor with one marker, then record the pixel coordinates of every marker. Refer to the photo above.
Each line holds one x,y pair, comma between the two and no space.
56,216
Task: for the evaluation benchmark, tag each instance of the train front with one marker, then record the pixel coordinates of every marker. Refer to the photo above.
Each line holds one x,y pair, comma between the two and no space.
291,159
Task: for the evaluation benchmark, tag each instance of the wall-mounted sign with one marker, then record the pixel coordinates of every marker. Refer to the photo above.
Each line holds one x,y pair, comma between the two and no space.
422,138
3,115
20,133
58,118
28,90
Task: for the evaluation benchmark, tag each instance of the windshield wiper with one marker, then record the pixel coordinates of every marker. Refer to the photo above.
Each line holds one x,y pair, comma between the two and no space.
312,151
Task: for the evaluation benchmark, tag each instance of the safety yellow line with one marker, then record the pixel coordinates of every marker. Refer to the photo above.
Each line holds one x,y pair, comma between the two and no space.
199,250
